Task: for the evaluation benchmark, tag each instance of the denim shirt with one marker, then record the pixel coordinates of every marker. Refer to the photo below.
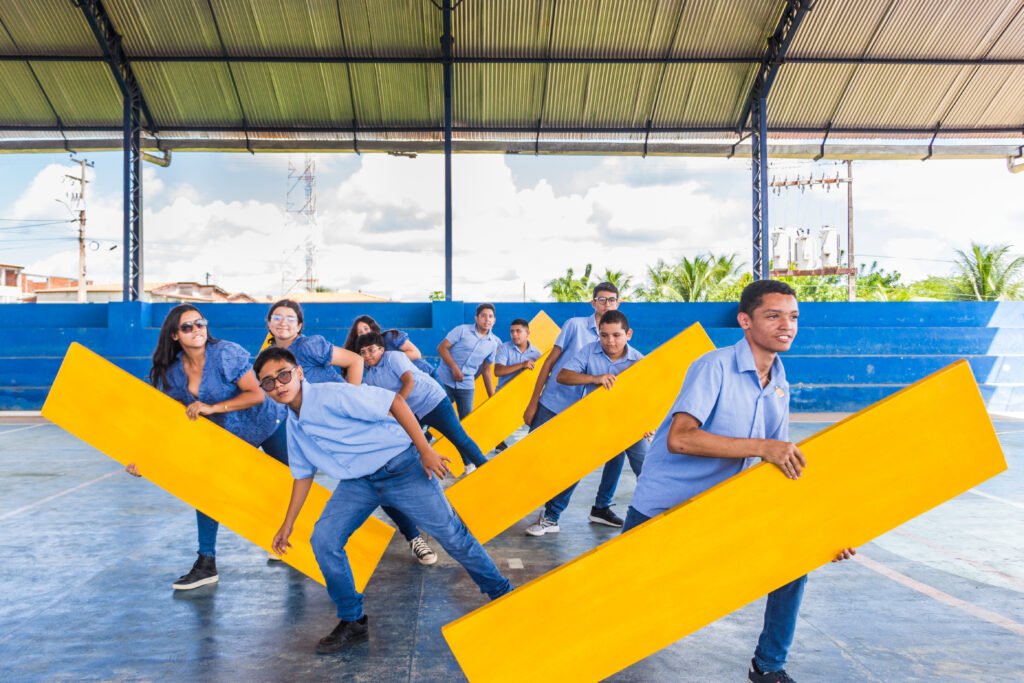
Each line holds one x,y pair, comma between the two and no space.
226,362
509,354
592,360
387,374
723,393
469,351
575,334
314,354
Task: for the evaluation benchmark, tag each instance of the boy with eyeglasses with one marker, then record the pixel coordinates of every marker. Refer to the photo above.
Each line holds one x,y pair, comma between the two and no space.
550,398
468,351
369,440
513,357
392,370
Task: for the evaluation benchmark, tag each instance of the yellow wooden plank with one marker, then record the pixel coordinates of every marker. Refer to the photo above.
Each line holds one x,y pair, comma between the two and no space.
691,565
577,441
496,418
204,465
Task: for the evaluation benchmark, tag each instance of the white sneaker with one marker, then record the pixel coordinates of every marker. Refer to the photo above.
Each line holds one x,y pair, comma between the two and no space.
542,526
271,557
422,551
470,467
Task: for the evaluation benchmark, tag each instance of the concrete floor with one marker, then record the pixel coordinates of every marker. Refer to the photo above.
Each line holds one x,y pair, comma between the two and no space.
90,553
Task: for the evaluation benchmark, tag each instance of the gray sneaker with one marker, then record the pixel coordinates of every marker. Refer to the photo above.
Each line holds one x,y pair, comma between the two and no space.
422,551
542,526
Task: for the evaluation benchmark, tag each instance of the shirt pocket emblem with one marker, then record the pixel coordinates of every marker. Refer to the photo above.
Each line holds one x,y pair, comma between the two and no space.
779,392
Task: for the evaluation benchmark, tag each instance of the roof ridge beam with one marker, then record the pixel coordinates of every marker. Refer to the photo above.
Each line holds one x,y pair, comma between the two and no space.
113,54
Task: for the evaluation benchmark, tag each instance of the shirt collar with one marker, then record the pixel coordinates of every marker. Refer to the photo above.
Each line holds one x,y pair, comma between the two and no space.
629,355
745,360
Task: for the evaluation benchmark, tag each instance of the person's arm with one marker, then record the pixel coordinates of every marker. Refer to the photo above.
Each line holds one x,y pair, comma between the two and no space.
504,370
573,378
408,384
488,378
433,462
542,378
250,395
300,489
446,358
686,436
410,350
351,362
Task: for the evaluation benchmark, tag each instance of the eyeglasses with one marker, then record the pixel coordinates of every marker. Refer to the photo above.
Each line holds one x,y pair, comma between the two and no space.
370,350
187,327
284,318
606,299
268,384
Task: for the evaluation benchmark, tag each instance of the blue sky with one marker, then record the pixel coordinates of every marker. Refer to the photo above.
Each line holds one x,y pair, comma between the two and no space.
519,220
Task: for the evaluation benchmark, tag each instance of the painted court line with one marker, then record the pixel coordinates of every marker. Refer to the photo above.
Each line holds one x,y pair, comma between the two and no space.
963,558
1001,500
21,429
57,495
934,593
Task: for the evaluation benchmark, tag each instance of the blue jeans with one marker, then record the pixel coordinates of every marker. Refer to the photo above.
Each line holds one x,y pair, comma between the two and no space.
401,483
609,481
276,446
462,398
443,419
780,613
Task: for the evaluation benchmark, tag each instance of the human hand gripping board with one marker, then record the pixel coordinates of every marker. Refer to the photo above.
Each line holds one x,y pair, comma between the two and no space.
692,565
198,462
497,417
577,441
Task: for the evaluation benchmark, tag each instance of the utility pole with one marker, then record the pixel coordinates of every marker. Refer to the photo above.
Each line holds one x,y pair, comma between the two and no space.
851,277
80,201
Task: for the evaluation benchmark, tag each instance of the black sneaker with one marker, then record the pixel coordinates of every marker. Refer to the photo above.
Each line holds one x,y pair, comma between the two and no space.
346,633
204,572
755,675
604,516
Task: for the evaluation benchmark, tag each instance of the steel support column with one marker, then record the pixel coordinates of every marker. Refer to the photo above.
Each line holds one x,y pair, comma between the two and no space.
134,284
446,53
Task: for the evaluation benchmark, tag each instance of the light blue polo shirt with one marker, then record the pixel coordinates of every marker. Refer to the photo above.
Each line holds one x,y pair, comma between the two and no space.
509,354
722,391
592,360
575,334
387,374
344,430
469,351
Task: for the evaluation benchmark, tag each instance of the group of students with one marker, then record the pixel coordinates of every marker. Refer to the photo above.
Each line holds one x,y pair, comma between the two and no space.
358,413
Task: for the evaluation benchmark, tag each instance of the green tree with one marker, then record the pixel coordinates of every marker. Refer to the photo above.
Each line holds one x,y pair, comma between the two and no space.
620,279
988,273
436,295
878,284
934,287
701,278
571,288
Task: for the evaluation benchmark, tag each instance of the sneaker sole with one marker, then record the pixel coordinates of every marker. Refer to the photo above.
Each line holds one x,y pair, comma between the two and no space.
201,582
348,643
426,561
598,520
549,530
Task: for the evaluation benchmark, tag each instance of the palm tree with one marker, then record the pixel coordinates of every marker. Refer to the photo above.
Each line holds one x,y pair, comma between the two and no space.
571,288
989,273
622,281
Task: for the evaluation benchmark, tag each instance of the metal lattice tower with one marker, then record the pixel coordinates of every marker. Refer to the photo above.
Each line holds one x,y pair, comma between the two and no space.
301,203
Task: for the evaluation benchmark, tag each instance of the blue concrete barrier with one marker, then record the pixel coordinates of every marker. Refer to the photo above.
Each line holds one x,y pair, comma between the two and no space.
846,356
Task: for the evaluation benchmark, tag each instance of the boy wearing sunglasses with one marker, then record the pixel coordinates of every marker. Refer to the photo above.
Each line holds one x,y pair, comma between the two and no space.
550,398
369,440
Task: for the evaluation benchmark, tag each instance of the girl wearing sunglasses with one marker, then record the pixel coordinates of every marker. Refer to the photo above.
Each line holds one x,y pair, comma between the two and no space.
394,340
213,378
318,359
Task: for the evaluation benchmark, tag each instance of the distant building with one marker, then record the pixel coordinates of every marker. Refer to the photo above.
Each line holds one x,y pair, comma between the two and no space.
329,297
18,286
161,292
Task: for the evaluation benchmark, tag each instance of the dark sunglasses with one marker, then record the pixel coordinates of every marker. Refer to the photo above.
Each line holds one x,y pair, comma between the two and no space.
187,327
268,384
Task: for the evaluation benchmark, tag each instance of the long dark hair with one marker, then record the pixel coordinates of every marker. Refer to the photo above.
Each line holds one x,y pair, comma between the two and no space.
287,303
168,348
350,341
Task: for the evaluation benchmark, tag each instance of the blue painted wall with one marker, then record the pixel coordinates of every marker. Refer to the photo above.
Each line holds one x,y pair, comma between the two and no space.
845,357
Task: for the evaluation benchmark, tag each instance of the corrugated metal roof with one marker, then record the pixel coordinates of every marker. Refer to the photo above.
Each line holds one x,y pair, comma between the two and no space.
572,103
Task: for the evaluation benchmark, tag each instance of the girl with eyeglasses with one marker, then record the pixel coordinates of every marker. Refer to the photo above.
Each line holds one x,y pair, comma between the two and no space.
317,356
214,378
394,340
319,359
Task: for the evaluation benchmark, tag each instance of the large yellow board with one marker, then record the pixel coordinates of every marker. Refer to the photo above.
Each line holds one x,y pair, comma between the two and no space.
496,418
739,540
204,465
578,440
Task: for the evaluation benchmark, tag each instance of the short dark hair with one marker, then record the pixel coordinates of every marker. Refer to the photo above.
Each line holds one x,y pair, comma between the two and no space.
369,339
520,322
605,287
611,317
483,307
272,353
753,294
